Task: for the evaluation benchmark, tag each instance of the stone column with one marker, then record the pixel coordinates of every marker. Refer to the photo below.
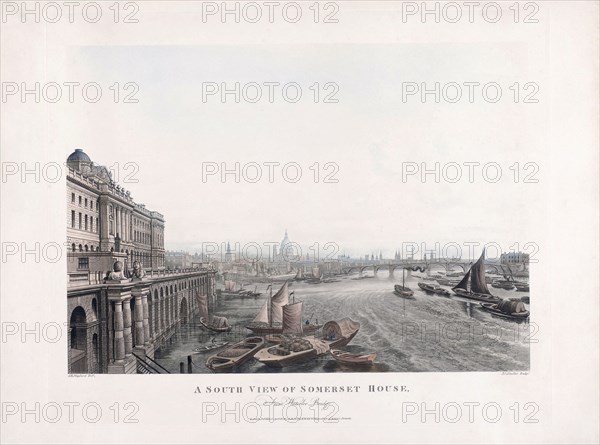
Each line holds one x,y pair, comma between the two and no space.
139,322
116,220
127,326
146,317
126,228
69,348
119,336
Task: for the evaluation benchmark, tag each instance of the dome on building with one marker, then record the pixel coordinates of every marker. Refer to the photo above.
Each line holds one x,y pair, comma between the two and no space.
284,242
78,156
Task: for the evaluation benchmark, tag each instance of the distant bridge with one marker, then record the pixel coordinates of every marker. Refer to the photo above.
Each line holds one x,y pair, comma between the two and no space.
428,266
411,265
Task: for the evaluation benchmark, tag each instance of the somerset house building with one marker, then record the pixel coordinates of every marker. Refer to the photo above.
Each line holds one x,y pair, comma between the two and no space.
122,303
103,217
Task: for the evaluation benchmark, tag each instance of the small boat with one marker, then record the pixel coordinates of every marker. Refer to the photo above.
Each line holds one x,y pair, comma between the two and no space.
447,282
512,309
233,356
352,359
454,274
403,291
525,299
503,285
522,287
211,346
281,277
433,289
217,324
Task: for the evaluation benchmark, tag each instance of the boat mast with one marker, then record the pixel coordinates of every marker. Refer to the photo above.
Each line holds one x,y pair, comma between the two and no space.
269,304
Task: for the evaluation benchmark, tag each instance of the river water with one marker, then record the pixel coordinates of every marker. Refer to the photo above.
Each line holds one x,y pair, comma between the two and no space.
429,333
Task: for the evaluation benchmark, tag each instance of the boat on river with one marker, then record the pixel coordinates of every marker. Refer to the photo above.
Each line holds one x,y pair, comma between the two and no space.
447,282
352,359
473,284
506,285
299,349
211,346
403,291
216,323
434,289
522,287
235,355
270,317
513,309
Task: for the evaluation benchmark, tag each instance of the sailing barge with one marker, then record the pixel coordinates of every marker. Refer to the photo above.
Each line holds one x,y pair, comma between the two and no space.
473,285
270,317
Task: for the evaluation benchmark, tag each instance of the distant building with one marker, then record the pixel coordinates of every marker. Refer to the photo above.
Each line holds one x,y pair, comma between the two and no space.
514,258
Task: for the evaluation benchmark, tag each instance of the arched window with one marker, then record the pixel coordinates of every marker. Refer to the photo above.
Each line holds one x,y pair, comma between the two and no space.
80,248
74,247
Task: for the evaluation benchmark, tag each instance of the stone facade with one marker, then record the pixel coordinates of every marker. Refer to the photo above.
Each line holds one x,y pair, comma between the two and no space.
122,303
103,217
111,323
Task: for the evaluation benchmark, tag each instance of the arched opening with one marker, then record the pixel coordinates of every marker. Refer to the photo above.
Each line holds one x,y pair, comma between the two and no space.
183,311
78,352
95,308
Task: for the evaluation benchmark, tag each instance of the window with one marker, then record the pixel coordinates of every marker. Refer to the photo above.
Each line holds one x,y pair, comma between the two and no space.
96,224
84,263
79,220
86,222
73,219
85,202
79,200
73,197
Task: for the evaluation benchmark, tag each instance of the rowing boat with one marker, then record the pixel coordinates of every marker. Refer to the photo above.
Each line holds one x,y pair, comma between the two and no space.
235,355
352,359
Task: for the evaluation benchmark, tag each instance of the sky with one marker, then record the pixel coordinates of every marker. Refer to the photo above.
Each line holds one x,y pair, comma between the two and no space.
364,142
